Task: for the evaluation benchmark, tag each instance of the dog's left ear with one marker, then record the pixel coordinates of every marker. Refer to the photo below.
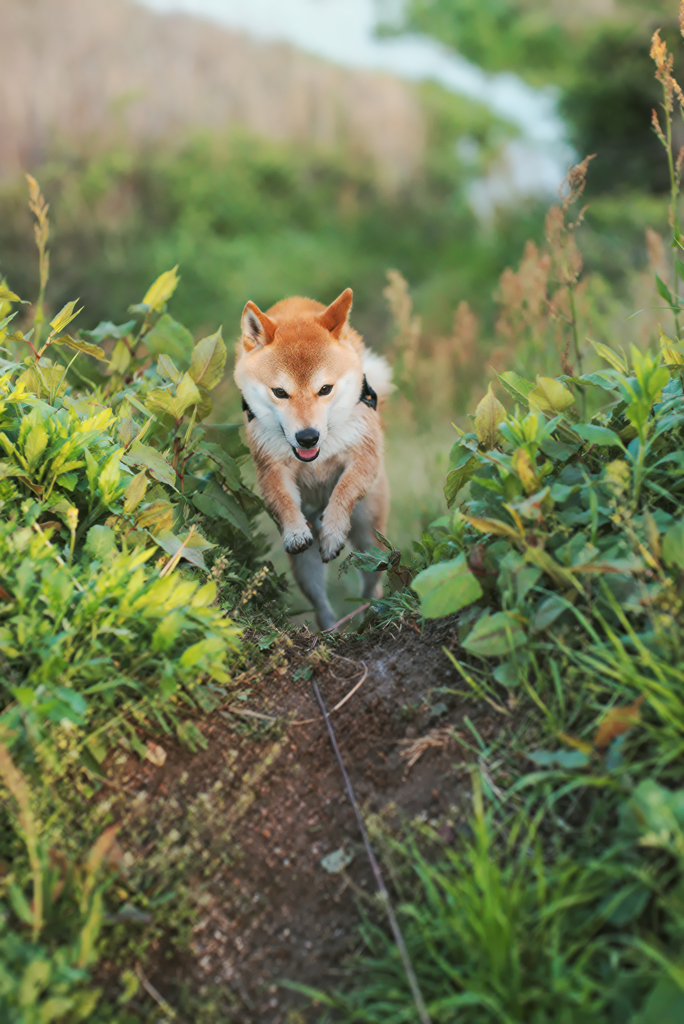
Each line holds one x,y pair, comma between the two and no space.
336,315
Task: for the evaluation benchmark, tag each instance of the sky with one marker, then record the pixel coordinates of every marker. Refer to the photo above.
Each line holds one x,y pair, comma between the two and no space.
342,31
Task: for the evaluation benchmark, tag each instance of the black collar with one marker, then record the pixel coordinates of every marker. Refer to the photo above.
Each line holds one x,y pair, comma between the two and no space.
368,397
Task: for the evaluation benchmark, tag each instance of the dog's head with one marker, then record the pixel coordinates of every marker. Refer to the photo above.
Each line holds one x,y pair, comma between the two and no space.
299,371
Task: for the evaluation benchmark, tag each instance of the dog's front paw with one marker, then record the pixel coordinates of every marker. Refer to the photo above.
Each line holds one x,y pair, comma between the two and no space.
298,540
331,541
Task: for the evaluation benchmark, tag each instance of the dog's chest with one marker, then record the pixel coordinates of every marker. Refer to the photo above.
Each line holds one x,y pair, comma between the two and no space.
316,484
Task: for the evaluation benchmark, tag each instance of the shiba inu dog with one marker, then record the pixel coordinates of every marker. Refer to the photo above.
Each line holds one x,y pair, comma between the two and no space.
311,393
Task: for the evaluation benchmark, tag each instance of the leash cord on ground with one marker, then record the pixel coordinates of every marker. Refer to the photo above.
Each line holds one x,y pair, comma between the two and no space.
379,880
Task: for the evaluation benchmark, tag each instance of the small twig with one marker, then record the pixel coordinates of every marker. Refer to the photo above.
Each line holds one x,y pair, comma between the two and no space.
375,867
346,618
415,748
340,703
108,782
157,996
246,713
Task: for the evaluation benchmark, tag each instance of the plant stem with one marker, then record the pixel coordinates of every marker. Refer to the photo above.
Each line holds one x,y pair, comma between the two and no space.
676,233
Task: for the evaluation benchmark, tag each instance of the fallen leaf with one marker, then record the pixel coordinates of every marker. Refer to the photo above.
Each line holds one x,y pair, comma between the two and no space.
155,754
617,721
337,861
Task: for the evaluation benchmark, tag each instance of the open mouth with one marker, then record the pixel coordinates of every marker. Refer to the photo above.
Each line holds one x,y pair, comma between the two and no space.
306,454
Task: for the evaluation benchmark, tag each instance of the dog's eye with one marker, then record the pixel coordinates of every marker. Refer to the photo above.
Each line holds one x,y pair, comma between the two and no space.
280,393
326,389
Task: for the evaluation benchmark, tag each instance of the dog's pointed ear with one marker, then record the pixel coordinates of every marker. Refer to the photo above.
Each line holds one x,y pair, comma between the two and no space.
257,328
336,315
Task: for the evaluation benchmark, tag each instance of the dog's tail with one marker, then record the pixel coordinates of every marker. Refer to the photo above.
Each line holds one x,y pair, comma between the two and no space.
378,374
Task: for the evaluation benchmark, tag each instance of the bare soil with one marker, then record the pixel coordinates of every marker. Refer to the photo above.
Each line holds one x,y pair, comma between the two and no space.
268,803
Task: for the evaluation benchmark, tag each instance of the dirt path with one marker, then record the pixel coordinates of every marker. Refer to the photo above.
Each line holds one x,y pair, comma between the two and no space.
263,806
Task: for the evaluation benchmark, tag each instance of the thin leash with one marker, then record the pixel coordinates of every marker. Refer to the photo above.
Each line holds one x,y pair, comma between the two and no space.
377,874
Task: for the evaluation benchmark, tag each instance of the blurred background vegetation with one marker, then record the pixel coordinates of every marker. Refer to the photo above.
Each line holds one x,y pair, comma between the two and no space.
163,139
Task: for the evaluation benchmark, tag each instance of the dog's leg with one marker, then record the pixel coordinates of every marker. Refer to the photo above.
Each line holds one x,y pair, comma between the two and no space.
281,494
310,572
359,478
370,514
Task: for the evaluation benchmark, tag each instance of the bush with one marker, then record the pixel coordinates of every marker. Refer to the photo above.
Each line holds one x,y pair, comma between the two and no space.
561,898
125,532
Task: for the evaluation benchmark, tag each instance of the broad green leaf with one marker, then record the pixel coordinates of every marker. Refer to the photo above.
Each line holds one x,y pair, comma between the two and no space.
109,330
226,465
135,492
143,455
167,368
64,317
36,443
208,360
214,502
446,587
157,517
495,526
121,357
458,478
161,291
488,415
227,436
81,346
672,356
191,546
516,386
6,295
673,545
547,612
549,396
34,981
109,478
100,542
495,635
163,400
170,338
20,905
55,1008
617,362
597,435
664,1005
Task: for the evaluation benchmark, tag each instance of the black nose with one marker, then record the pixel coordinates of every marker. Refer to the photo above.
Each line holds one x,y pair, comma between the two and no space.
307,438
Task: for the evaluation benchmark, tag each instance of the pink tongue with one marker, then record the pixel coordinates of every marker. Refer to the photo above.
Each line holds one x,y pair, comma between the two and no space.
307,453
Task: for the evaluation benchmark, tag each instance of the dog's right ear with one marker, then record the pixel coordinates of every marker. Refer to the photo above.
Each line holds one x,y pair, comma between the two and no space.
257,329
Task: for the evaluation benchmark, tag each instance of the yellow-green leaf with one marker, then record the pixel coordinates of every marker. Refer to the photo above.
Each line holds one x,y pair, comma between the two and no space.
522,463
672,356
489,414
208,359
135,492
446,587
494,526
167,368
6,295
550,396
64,317
161,291
617,362
82,346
